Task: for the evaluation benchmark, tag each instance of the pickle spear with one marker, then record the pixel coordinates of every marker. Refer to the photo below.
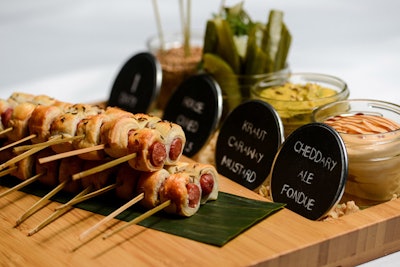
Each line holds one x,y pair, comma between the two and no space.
256,60
211,38
226,47
283,50
242,49
225,77
276,41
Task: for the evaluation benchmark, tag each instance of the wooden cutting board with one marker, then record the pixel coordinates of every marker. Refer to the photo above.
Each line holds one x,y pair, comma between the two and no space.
284,239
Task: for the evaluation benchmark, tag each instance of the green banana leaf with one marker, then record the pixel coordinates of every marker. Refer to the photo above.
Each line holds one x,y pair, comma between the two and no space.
216,222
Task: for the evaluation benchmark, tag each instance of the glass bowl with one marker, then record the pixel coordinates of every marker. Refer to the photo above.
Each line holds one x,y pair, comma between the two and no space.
374,157
296,95
236,89
176,64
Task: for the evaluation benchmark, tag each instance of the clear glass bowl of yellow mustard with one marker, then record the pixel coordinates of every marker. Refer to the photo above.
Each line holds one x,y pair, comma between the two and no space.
370,130
296,95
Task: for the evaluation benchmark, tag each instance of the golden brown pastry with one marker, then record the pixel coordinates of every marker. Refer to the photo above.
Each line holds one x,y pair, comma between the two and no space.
126,180
173,135
208,178
25,168
19,97
146,120
115,135
68,167
184,193
149,148
65,125
19,121
48,169
150,184
5,111
174,138
98,180
43,100
41,121
91,129
205,174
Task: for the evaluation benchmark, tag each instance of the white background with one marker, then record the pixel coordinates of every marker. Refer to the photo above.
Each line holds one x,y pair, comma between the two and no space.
73,49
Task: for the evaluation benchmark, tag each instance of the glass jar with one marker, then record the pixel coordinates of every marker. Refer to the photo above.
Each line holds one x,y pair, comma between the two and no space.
230,83
177,65
237,88
295,96
374,158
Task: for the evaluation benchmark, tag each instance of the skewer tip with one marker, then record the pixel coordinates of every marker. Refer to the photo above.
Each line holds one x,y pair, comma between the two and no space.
32,232
139,218
17,223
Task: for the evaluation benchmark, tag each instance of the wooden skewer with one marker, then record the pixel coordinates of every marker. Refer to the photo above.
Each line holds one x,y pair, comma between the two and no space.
186,33
18,142
139,218
111,216
20,157
93,237
48,220
6,131
159,25
59,139
8,171
45,144
182,15
34,149
79,195
82,198
40,203
70,153
56,214
103,167
21,185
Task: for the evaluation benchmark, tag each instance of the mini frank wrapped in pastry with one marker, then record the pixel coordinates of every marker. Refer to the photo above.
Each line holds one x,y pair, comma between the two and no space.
150,184
183,191
149,148
205,174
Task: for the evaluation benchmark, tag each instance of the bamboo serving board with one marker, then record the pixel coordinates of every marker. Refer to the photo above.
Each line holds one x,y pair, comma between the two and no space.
283,239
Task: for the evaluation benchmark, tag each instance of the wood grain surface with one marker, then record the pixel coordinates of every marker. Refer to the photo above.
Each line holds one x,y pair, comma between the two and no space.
284,239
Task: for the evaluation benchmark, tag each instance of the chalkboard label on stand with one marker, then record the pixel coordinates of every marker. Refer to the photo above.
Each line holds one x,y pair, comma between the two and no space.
310,171
196,106
248,142
137,84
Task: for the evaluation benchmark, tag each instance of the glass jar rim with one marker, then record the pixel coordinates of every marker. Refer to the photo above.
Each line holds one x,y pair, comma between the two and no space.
176,38
385,105
281,78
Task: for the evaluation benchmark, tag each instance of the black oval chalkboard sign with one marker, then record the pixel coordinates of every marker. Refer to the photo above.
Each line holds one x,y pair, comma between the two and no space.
196,106
310,171
248,142
137,84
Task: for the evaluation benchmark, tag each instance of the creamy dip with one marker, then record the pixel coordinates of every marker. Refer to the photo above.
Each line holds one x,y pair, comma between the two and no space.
373,145
295,102
298,92
362,124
